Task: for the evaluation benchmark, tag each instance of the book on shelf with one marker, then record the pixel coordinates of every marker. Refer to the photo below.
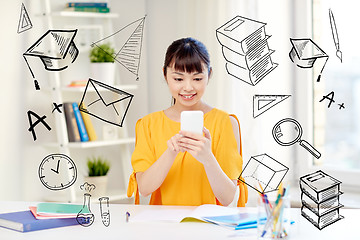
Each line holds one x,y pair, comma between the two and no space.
80,123
77,83
86,4
88,9
24,221
71,124
88,125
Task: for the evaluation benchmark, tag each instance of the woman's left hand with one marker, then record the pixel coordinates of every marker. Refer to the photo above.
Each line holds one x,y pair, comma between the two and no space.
199,146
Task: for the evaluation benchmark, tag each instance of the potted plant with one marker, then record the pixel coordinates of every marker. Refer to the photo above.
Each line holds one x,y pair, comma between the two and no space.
98,168
102,65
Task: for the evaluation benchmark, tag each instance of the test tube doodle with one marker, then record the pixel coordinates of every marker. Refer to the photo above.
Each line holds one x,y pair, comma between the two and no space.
104,210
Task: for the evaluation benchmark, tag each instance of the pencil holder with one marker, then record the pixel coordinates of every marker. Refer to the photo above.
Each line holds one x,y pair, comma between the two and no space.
273,216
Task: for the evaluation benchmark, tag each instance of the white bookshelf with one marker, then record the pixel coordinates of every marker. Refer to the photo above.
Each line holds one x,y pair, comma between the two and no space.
58,93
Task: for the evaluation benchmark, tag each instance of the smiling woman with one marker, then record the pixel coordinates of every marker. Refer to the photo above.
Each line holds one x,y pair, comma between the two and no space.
185,168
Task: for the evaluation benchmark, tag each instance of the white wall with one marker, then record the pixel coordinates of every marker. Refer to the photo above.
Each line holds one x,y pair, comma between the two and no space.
166,20
11,104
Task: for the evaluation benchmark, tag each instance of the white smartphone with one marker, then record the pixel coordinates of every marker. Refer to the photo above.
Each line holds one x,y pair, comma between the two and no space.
192,121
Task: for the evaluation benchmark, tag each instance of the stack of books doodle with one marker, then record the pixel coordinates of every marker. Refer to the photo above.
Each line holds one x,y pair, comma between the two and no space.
246,50
320,194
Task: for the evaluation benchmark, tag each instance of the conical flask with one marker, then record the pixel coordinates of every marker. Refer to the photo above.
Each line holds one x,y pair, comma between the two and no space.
85,217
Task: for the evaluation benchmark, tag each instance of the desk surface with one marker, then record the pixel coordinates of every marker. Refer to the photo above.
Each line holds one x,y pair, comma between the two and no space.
119,229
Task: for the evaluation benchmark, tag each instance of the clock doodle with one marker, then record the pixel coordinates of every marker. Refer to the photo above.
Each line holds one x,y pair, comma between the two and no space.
57,172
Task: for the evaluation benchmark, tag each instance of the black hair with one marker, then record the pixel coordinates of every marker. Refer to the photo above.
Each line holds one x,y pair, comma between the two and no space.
187,54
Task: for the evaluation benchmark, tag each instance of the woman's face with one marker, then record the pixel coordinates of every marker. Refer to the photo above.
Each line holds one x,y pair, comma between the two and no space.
187,88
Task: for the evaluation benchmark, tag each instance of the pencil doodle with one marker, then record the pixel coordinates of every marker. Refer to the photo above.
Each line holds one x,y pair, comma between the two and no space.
33,125
265,171
330,97
335,35
24,21
56,49
104,210
320,195
57,172
245,49
57,107
305,53
288,131
106,103
129,54
262,103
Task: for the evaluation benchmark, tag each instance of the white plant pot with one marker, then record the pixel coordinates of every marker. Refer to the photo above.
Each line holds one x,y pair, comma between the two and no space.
103,72
100,183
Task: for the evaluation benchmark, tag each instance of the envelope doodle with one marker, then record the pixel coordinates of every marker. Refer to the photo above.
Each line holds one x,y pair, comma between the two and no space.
106,103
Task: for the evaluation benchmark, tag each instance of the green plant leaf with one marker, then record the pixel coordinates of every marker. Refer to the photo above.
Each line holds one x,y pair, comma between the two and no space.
102,53
97,166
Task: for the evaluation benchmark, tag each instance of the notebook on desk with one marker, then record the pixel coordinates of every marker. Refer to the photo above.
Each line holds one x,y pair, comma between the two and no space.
24,221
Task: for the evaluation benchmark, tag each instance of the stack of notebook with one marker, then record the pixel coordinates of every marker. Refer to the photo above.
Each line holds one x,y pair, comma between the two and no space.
320,195
245,48
42,216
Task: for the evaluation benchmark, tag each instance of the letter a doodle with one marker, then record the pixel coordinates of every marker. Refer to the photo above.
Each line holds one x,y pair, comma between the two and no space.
33,125
331,100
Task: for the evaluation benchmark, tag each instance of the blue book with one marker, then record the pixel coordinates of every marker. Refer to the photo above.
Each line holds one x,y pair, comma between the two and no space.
238,221
25,221
86,4
80,122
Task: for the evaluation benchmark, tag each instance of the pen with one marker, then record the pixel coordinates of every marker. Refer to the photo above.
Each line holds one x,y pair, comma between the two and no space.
271,218
127,216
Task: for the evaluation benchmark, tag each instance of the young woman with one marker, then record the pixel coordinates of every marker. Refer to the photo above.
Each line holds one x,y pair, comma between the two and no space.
184,168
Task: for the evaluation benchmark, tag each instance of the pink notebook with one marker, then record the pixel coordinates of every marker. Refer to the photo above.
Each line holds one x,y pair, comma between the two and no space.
49,216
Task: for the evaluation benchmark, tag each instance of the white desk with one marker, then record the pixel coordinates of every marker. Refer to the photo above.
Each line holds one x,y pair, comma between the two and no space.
346,228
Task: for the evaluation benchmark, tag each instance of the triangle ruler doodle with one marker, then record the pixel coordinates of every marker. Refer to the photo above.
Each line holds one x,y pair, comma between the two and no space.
262,103
24,21
130,52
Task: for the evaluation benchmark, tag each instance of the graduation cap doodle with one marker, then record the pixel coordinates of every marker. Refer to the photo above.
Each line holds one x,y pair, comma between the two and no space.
305,53
56,49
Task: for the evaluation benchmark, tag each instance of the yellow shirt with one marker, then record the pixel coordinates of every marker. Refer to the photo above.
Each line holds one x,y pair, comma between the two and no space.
186,182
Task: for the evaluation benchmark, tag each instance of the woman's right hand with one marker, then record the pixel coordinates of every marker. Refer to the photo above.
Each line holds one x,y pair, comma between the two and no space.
173,144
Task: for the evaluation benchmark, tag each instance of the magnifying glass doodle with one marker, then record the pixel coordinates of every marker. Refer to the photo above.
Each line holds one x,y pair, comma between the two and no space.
288,131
